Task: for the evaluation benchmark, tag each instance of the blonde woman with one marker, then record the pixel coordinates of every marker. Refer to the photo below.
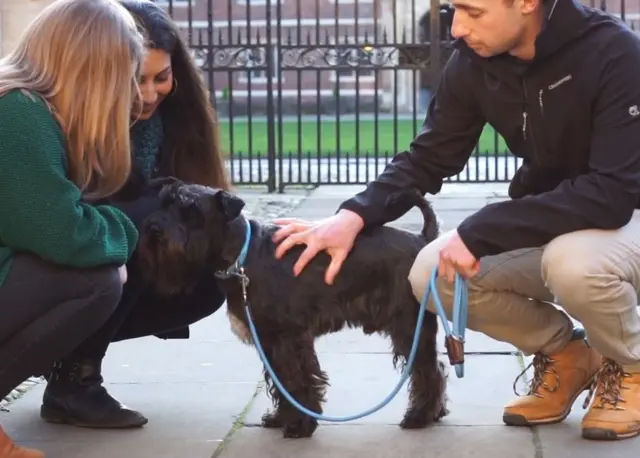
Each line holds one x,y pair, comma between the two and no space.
64,142
174,134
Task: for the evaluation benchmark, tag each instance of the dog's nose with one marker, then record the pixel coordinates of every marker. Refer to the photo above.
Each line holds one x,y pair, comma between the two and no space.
155,231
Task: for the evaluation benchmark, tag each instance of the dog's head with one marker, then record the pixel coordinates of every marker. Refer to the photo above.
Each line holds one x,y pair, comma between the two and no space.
186,237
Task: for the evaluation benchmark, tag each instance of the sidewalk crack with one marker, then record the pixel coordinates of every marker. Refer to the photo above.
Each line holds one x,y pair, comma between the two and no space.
239,422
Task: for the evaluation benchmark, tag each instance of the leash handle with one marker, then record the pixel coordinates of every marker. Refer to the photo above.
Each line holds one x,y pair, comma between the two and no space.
455,350
454,338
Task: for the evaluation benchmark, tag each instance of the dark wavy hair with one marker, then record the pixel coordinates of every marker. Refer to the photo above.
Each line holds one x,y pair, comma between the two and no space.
192,137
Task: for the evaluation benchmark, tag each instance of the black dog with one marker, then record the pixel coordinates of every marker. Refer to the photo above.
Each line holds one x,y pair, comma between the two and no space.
202,228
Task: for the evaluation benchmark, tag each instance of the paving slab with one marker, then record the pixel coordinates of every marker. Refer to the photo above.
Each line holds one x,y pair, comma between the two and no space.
451,210
211,354
564,441
320,207
380,441
360,381
448,190
185,419
192,391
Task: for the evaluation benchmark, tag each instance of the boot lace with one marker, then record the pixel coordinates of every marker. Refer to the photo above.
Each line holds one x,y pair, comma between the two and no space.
58,369
607,387
542,366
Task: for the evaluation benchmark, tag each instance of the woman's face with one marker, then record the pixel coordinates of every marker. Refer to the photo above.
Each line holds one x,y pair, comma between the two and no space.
156,82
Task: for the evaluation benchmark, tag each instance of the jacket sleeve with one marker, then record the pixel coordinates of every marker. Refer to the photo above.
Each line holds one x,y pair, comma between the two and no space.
442,148
603,198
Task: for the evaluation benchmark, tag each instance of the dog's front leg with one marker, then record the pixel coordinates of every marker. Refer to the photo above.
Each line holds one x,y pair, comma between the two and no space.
294,360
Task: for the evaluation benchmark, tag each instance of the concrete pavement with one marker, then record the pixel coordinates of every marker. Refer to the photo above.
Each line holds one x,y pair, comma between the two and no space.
204,396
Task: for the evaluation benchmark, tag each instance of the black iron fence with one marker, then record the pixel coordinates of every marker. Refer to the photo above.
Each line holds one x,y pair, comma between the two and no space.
313,92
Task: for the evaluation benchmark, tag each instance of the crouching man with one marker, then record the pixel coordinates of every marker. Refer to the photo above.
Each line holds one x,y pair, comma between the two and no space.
558,81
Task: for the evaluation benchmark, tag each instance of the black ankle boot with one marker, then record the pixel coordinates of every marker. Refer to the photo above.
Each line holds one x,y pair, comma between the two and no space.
75,395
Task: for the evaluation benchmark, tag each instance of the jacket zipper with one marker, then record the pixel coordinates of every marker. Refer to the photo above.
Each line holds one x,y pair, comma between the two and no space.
540,101
524,112
525,125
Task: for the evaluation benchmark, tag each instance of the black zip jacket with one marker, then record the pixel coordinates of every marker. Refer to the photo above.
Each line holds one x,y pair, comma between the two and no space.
572,114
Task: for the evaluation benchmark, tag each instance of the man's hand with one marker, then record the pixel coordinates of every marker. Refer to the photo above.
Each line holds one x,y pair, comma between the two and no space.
455,257
335,235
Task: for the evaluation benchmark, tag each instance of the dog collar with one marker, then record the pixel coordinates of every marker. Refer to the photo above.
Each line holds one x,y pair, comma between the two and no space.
237,268
242,257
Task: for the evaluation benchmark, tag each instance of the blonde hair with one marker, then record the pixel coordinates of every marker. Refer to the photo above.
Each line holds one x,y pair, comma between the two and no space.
82,58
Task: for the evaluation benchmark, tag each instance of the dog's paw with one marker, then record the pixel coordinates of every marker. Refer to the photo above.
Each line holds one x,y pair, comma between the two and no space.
416,419
304,427
443,412
272,420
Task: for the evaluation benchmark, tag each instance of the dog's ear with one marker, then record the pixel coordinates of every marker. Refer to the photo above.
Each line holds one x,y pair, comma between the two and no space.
230,205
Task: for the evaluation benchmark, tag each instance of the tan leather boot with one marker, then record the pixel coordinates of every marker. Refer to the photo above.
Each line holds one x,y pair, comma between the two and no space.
557,381
615,411
9,450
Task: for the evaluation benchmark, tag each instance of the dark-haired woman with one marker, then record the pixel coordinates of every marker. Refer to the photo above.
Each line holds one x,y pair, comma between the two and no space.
173,134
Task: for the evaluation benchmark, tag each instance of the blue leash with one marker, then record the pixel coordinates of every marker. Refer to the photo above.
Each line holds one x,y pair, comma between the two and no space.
454,339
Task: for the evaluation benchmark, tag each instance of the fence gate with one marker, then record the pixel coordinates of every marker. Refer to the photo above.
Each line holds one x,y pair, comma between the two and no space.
313,92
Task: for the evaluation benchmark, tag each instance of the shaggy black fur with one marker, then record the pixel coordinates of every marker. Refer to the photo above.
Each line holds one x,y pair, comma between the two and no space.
202,228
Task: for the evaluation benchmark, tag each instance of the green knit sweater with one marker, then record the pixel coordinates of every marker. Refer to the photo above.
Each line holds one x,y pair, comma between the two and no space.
41,211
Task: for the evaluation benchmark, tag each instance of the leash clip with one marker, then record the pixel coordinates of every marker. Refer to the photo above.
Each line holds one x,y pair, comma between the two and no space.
244,282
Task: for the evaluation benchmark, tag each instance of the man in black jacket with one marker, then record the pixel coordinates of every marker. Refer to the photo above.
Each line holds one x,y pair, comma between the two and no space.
559,81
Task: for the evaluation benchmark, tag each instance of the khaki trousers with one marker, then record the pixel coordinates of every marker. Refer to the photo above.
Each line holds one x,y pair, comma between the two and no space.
593,275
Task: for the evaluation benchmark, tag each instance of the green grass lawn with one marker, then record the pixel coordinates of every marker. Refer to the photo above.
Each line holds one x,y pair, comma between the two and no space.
309,138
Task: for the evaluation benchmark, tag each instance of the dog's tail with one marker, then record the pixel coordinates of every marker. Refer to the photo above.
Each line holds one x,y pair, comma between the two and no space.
414,198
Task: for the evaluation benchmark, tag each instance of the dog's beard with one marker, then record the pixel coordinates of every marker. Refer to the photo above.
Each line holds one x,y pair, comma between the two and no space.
166,265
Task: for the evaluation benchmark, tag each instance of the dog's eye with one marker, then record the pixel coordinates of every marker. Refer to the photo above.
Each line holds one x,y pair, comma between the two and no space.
193,212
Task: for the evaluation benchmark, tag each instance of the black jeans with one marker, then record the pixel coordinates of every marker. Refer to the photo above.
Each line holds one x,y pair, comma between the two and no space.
142,313
46,311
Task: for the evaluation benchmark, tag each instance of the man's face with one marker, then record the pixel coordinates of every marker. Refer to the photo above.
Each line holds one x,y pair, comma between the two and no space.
492,27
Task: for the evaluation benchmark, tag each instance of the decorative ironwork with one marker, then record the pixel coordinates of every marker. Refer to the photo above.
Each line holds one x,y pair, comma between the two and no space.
401,56
245,57
338,56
